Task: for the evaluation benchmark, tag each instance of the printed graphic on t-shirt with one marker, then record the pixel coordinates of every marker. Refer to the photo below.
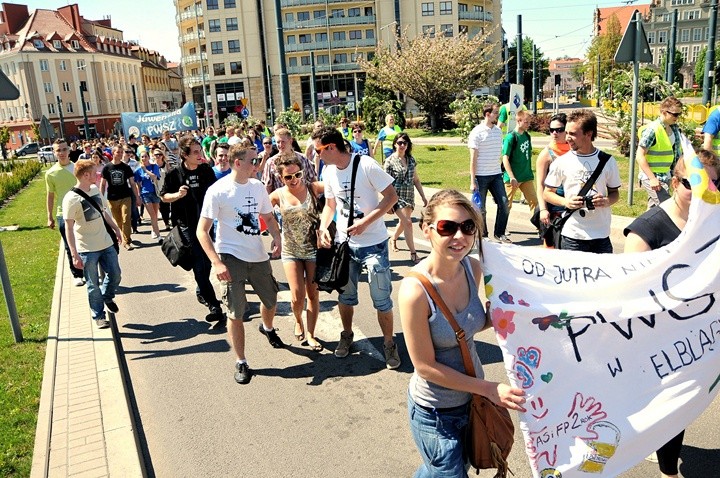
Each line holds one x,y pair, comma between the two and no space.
89,211
247,220
345,209
117,177
525,148
192,180
583,176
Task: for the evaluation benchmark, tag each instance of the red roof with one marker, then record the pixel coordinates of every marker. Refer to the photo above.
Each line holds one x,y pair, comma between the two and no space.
49,24
623,14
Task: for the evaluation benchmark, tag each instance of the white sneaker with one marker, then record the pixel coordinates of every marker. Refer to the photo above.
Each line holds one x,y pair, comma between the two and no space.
155,236
79,281
503,239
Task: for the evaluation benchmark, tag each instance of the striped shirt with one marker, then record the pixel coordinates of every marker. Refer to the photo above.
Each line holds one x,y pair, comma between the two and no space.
488,143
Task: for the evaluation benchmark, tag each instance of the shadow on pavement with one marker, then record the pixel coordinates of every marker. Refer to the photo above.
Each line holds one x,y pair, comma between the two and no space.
488,353
697,461
169,332
150,288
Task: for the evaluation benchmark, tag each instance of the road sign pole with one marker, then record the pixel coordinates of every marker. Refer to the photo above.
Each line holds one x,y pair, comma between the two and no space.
9,298
710,55
633,119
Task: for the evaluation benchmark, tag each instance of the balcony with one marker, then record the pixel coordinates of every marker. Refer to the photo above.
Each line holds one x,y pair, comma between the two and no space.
300,3
323,68
325,45
191,36
476,16
188,15
330,21
193,59
189,81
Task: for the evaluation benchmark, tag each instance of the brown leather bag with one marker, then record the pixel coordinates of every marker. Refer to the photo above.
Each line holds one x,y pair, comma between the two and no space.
490,432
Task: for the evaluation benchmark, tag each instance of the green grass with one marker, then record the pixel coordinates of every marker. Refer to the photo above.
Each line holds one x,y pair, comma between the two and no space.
423,133
451,169
31,255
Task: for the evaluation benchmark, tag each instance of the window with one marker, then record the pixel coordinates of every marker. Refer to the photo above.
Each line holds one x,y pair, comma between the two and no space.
235,68
81,64
233,46
355,57
229,3
368,11
214,25
212,4
63,65
685,35
662,36
47,87
651,37
353,12
447,29
338,36
355,34
695,52
57,44
290,17
428,9
38,44
75,44
462,7
340,58
303,16
322,59
445,8
231,24
216,47
429,30
218,69
691,15
697,34
369,34
320,37
463,29
69,107
684,53
305,38
292,61
43,65
305,61
51,108
291,39
66,86
319,14
337,13
87,106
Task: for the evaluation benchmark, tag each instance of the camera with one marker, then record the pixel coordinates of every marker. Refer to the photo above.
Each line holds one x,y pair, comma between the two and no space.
589,202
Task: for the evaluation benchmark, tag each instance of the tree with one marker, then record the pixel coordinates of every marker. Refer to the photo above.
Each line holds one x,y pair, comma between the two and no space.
541,64
378,102
676,66
605,46
700,64
4,138
433,70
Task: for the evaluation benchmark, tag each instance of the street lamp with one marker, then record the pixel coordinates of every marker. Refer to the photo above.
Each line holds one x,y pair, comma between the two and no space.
384,27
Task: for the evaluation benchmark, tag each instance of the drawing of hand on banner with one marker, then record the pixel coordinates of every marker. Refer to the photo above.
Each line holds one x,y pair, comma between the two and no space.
617,352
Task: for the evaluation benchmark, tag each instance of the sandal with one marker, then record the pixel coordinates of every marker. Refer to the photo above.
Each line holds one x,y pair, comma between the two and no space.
316,346
394,246
301,336
414,257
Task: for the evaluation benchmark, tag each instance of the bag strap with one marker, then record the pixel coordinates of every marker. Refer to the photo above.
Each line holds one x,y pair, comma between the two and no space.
84,195
192,193
351,216
603,158
459,332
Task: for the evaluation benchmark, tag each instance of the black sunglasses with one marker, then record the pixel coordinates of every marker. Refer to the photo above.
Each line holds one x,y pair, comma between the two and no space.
401,143
130,152
677,115
267,143
557,130
296,175
449,228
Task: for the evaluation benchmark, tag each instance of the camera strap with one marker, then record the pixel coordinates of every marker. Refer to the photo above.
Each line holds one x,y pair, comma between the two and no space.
603,158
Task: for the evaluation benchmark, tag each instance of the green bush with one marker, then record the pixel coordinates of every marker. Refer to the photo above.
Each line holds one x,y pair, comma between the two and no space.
14,176
469,112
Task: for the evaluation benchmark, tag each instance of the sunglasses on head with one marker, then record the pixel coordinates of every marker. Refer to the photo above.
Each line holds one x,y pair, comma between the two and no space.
557,130
677,115
296,175
449,228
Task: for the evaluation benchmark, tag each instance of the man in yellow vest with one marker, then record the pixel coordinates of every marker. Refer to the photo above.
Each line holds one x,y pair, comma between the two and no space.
658,150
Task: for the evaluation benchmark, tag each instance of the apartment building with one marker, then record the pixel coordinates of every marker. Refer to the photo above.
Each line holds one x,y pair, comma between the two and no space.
52,54
241,54
156,77
565,67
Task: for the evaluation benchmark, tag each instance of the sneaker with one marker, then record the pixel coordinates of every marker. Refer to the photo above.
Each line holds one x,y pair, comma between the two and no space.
392,358
79,281
155,236
201,299
503,239
272,337
216,314
111,306
102,323
243,374
343,347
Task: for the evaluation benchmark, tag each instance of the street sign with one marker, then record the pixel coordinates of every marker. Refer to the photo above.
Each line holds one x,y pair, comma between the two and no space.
626,51
350,106
46,129
244,101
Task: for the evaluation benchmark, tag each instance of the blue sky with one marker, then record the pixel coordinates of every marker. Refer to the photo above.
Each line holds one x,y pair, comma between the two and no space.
559,27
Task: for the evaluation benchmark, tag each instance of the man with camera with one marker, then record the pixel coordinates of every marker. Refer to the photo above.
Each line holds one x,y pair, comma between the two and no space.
588,228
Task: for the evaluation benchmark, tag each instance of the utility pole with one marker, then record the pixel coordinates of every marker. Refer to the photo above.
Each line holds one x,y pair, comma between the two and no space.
710,56
86,127
670,58
62,120
597,80
518,60
202,69
534,84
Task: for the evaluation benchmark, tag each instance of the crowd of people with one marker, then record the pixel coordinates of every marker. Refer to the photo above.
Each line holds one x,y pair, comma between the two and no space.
225,188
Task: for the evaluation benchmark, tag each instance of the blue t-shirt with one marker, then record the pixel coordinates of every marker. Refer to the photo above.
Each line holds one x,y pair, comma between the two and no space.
363,149
143,179
712,125
220,174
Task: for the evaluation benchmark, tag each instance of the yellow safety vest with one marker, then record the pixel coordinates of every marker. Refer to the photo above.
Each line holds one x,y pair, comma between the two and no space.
390,134
660,156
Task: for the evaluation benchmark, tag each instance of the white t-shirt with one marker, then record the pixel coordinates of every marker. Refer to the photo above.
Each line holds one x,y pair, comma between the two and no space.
370,181
571,171
234,140
89,227
488,141
237,208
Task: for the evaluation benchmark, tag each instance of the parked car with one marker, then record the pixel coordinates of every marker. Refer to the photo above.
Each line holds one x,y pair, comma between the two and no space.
46,155
27,148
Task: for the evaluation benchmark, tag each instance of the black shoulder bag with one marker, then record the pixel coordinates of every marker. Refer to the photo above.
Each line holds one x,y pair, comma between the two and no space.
108,228
176,246
332,265
553,236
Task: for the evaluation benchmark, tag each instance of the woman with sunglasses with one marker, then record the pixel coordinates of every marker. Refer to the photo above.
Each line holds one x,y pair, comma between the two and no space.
658,227
359,144
146,177
160,158
440,392
401,166
297,203
268,151
557,147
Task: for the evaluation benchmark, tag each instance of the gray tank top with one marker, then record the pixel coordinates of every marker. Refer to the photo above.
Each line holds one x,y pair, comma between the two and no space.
447,350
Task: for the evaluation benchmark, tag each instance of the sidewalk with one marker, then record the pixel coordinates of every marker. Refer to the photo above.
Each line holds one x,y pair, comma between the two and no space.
85,423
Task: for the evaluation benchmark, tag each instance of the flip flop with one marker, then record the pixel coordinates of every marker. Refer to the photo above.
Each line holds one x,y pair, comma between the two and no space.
301,336
317,347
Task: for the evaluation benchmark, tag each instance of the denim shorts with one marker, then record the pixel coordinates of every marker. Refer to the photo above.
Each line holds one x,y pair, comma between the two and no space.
439,439
148,198
377,262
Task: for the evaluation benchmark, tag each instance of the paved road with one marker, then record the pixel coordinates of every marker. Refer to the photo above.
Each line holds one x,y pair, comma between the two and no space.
304,414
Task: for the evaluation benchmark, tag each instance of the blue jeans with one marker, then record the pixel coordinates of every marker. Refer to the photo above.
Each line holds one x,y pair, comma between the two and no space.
377,262
99,293
494,184
439,437
60,221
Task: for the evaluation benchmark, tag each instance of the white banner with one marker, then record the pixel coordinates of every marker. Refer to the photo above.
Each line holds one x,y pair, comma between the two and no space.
616,352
